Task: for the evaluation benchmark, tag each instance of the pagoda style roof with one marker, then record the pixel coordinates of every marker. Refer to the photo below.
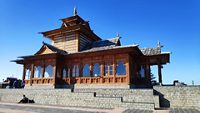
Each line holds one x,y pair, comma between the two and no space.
72,24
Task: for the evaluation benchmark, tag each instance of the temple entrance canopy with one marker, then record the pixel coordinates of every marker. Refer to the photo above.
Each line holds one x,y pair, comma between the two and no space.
78,56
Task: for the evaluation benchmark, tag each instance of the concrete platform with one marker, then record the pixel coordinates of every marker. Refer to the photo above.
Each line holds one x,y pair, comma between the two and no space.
37,108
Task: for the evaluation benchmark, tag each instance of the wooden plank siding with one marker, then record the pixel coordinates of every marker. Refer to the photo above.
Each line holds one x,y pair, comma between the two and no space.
83,41
67,43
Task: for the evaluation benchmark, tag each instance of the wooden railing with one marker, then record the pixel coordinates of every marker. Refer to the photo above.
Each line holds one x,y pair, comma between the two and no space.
98,80
40,81
82,80
27,81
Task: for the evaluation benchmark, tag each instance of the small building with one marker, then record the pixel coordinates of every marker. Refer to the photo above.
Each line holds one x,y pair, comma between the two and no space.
78,56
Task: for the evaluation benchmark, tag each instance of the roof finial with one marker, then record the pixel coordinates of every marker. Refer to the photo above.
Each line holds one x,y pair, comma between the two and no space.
118,35
75,11
159,45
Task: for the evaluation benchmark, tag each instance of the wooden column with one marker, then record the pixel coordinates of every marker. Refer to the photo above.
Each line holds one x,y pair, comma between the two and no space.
70,73
148,74
32,74
102,72
43,71
91,72
114,69
159,73
54,75
128,70
24,73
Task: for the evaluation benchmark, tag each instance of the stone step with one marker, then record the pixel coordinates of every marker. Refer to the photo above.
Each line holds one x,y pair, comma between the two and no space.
117,92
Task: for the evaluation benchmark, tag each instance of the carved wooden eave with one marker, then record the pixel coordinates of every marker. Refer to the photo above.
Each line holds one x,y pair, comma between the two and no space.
162,58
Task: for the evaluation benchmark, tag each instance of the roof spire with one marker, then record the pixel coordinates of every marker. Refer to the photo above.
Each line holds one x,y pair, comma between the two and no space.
75,11
118,35
159,45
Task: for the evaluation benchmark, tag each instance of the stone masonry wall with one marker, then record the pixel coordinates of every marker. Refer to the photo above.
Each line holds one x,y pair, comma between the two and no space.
66,97
179,96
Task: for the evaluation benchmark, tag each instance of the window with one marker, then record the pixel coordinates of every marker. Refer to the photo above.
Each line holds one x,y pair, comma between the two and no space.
75,71
48,71
108,69
142,72
86,70
38,72
28,73
68,72
59,72
64,73
96,70
121,68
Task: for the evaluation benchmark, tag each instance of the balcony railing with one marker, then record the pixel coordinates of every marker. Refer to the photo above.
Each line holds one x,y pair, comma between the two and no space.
82,80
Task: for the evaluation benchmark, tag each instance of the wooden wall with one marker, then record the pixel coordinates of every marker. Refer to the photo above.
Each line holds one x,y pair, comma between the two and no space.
83,41
68,42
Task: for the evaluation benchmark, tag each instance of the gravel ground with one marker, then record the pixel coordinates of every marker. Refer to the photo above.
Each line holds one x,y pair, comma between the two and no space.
29,109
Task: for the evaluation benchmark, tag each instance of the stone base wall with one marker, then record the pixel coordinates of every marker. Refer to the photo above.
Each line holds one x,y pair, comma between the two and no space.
179,96
84,97
40,86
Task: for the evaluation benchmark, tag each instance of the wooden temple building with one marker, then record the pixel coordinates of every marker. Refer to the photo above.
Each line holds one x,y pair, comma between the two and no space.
78,56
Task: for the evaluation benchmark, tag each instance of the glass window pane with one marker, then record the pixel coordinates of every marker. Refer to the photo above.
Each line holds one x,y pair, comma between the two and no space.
74,71
77,71
48,71
38,72
142,72
68,72
96,70
106,70
28,73
86,70
121,68
111,69
64,73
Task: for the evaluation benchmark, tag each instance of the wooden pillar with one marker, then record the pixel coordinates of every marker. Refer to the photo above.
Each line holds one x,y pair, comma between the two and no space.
43,71
70,73
148,74
32,74
24,73
114,69
91,72
159,73
128,72
127,62
102,72
54,75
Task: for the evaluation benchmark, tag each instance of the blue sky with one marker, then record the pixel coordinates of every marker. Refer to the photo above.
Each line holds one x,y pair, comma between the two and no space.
175,23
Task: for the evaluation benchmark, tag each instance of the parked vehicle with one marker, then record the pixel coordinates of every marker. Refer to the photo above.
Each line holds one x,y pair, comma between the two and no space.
11,82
